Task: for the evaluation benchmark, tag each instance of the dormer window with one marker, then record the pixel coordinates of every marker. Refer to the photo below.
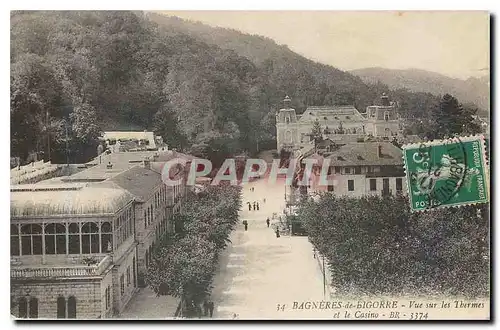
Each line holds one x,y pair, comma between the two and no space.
325,118
386,115
360,157
287,120
347,117
336,117
340,158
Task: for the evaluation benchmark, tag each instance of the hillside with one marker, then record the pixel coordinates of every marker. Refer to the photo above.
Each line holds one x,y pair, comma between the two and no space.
472,90
83,72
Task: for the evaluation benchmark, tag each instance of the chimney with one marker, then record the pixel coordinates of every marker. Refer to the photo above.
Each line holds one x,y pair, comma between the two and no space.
146,163
379,153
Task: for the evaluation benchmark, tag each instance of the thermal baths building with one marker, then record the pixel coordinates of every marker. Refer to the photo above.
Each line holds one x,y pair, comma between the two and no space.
340,124
358,169
80,245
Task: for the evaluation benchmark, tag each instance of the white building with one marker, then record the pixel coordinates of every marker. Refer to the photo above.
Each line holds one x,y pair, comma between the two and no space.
338,123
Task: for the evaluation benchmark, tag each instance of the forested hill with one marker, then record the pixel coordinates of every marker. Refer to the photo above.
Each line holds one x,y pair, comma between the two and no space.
84,72
473,90
306,81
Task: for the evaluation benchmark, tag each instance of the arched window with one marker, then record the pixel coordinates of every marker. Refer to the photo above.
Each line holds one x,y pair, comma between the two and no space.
33,308
61,307
23,307
90,238
288,137
71,307
74,238
55,238
287,120
106,237
14,240
31,239
386,115
387,132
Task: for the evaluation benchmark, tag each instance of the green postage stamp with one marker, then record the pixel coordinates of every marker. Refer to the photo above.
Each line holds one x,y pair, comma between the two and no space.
445,173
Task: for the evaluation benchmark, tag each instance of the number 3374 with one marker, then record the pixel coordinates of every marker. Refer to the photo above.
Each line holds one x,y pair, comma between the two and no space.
418,316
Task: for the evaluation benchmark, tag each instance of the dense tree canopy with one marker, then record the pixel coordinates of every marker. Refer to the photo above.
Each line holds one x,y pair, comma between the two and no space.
377,246
81,72
185,265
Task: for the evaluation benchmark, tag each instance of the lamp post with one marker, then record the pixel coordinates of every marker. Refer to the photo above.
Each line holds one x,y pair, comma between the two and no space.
324,278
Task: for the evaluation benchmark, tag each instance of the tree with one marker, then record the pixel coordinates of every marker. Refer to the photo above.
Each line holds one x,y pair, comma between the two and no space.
371,241
184,266
451,119
316,133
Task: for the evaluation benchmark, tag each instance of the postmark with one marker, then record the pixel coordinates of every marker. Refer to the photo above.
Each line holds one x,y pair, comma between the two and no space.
444,173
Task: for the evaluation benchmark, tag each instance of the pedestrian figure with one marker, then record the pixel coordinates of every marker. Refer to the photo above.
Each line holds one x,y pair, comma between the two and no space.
205,308
254,206
249,206
277,232
257,206
264,201
245,223
211,308
268,222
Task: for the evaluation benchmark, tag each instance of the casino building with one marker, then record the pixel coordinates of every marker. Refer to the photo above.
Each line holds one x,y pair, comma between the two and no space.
340,124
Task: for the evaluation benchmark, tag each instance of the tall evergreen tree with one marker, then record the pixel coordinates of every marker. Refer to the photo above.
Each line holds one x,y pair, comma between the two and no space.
316,133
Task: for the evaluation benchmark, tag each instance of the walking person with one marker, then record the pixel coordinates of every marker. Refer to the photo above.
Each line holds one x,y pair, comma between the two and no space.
249,206
254,206
211,308
264,201
245,223
205,308
268,222
277,232
257,206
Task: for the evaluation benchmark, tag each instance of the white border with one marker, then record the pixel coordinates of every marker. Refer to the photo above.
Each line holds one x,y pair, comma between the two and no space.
201,5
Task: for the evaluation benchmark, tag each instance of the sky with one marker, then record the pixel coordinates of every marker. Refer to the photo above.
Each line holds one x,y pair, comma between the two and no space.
453,43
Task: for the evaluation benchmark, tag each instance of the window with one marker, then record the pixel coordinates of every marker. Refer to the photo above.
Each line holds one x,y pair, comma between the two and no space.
122,285
33,308
106,237
61,307
386,115
74,238
350,185
369,169
330,187
373,184
108,297
128,276
31,239
347,170
399,184
72,307
23,308
145,219
357,170
90,238
14,240
337,169
55,238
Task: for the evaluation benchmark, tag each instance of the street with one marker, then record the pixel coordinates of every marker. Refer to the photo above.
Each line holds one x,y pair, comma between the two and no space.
258,271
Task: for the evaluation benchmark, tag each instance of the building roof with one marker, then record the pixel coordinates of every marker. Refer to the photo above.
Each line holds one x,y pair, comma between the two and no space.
366,153
66,199
131,135
332,114
139,181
